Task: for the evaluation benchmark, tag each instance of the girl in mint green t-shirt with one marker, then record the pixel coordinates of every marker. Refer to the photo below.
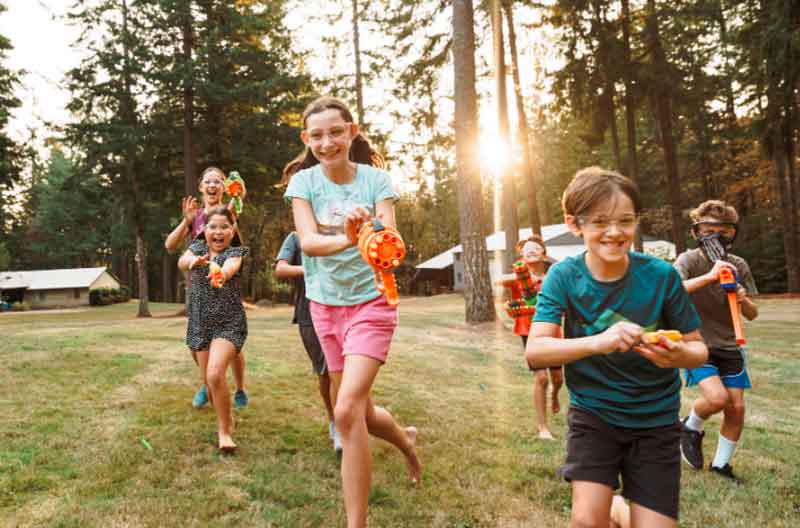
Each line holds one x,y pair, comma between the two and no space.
335,186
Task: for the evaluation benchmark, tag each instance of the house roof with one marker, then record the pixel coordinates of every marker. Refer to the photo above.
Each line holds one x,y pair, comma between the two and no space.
50,279
558,238
494,242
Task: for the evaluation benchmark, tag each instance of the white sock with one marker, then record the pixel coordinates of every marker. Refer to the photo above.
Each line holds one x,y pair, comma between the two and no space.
725,449
331,429
694,422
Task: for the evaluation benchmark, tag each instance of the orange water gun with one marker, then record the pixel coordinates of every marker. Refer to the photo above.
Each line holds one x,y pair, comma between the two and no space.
526,306
383,249
727,279
234,187
215,275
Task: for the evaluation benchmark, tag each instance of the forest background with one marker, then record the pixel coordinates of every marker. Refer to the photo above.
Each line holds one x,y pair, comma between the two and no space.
694,99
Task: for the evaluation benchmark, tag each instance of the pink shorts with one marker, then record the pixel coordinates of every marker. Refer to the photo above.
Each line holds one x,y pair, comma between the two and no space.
362,330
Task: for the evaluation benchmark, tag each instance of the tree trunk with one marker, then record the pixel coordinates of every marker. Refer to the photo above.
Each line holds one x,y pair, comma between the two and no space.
612,111
630,113
779,165
359,75
792,187
129,120
189,160
141,268
522,118
477,286
662,99
509,215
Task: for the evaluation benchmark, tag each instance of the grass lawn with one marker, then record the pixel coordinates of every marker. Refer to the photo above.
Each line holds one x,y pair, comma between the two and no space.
81,390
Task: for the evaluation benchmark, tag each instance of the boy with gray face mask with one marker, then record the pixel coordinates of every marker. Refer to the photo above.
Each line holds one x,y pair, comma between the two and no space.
723,378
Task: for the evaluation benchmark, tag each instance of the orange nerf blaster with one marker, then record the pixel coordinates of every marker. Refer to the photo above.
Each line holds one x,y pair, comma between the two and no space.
654,337
234,187
526,306
727,279
383,249
215,275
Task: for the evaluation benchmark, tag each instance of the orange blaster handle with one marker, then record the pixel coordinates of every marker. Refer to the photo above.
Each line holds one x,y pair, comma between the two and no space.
216,274
383,249
727,280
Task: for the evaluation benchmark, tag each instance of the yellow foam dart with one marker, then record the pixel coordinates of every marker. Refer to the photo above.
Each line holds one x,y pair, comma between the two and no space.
654,337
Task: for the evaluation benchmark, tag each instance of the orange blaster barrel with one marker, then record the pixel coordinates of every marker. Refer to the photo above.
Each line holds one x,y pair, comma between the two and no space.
383,249
727,279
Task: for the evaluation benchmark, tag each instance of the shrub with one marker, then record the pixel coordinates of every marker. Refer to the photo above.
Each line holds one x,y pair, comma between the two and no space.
105,296
21,306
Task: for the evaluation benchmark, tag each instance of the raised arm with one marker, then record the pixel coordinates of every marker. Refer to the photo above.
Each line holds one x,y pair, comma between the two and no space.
189,207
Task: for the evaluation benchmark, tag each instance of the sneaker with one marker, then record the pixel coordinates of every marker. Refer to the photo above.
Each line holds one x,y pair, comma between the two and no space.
337,442
201,398
727,472
692,446
240,399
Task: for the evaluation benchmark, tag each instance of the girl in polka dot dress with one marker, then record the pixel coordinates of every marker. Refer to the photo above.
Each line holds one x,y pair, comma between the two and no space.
217,326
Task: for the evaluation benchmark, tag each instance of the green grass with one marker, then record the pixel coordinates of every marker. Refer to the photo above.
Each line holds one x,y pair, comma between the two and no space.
82,389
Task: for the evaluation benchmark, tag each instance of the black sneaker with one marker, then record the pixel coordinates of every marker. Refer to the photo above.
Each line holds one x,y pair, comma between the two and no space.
692,445
727,472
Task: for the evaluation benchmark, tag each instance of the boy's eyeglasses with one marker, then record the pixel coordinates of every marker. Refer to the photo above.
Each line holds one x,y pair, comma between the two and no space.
626,223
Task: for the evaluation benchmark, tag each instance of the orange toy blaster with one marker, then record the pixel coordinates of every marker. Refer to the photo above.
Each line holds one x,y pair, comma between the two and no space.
215,275
526,306
383,249
234,187
727,279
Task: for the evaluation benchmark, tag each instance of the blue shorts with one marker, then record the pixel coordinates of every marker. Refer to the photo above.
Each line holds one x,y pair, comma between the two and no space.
730,365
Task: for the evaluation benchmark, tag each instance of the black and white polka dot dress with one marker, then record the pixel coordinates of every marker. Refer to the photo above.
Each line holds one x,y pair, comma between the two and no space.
215,313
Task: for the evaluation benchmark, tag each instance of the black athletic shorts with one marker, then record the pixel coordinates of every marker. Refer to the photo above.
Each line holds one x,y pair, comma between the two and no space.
649,460
313,349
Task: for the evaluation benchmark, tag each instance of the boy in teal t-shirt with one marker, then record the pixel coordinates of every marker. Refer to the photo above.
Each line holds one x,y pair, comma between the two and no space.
624,390
650,294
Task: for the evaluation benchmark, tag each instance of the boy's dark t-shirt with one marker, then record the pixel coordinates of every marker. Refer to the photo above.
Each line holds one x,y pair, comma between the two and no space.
290,252
622,388
711,300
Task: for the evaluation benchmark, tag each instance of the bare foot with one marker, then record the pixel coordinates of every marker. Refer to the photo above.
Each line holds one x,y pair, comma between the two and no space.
545,434
556,404
412,462
226,444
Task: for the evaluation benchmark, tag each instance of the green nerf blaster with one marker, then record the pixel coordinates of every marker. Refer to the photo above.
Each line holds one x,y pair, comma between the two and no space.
234,187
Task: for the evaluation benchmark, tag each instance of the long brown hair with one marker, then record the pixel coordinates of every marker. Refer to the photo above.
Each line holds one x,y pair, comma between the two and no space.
360,150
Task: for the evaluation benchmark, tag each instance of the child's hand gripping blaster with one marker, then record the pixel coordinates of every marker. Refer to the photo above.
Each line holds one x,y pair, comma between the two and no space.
654,337
383,249
727,279
215,276
525,307
234,187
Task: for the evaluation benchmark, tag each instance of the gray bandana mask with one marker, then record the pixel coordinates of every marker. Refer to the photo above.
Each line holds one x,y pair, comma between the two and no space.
715,246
